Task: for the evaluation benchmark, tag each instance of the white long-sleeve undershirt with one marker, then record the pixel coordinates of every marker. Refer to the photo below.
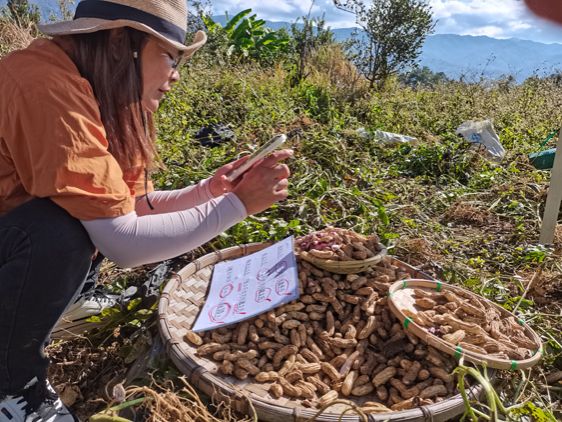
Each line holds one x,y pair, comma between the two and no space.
174,200
181,221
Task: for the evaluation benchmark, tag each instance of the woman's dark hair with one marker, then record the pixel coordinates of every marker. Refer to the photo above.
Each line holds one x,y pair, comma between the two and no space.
111,62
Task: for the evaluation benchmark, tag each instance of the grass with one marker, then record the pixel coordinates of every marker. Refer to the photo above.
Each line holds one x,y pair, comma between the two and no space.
436,204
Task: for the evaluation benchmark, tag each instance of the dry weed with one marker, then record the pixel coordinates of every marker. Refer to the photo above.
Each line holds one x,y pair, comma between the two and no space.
80,371
417,251
14,37
468,214
330,67
545,288
184,405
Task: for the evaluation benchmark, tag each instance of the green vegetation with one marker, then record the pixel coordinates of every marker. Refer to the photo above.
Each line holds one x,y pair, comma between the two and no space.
423,76
437,203
245,37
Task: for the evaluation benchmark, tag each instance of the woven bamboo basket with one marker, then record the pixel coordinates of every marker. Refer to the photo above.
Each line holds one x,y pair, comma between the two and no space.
344,267
400,297
178,308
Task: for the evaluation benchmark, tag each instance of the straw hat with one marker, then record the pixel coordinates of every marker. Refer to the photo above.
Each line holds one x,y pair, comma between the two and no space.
164,19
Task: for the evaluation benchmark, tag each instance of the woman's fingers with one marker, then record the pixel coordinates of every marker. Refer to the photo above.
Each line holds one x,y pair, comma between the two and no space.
272,159
281,186
266,183
281,171
239,162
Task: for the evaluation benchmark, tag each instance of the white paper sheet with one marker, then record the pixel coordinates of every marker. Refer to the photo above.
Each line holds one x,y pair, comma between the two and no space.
249,286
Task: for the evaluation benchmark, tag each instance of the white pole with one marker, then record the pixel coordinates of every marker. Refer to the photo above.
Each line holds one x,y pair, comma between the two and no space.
553,198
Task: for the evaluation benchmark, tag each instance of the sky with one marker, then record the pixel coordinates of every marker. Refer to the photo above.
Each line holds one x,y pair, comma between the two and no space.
493,18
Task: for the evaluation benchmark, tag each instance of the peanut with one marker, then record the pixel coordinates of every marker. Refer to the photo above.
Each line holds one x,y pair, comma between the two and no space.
348,383
321,387
384,376
362,390
310,368
294,376
267,376
243,333
412,373
193,338
433,391
330,371
327,398
276,391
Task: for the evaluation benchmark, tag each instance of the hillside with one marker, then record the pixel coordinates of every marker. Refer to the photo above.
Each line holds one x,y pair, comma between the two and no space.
457,55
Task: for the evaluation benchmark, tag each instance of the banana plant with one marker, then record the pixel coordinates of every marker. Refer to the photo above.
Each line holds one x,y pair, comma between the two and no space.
249,37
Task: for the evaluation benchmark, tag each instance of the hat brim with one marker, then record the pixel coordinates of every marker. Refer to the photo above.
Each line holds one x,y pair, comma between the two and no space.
89,25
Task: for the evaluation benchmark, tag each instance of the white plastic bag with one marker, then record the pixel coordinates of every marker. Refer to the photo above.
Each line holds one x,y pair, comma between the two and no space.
483,136
392,138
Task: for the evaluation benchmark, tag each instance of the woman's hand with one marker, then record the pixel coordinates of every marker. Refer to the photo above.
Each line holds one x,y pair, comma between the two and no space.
219,184
265,183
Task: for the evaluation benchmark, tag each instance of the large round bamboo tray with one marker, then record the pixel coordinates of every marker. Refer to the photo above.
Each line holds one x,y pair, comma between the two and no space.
179,305
344,267
400,297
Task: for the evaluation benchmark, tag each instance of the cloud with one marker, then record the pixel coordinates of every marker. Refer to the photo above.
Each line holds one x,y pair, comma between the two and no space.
489,31
284,10
287,10
496,9
519,26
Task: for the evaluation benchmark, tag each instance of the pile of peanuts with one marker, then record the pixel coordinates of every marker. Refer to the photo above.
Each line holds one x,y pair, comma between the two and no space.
339,340
338,245
463,320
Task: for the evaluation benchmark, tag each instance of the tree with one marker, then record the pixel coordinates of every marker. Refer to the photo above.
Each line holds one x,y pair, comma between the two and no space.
307,38
423,77
393,33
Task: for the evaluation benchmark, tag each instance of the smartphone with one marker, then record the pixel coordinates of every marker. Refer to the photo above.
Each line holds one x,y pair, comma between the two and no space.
263,151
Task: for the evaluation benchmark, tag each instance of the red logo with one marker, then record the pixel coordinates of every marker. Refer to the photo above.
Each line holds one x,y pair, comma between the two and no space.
218,313
282,287
226,290
262,295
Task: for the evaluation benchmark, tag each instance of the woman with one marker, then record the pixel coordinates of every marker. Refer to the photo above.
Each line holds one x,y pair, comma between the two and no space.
76,142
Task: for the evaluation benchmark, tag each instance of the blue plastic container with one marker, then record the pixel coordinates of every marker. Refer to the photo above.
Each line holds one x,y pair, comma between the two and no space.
543,160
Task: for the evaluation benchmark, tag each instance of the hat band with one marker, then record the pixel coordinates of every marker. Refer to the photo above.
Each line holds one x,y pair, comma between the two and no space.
113,11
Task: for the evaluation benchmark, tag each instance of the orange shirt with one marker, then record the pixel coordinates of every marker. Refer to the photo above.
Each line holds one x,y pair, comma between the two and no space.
52,140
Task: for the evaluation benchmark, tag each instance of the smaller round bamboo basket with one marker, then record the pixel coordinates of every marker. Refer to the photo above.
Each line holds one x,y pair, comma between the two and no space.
344,267
401,297
178,308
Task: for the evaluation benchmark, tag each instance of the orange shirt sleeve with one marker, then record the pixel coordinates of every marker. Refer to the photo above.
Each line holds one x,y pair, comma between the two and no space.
58,145
138,180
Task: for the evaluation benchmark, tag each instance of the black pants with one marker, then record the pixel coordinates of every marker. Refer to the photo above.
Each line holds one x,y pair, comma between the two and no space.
45,256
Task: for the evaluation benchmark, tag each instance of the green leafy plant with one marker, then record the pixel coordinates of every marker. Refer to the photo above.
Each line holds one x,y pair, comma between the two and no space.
247,37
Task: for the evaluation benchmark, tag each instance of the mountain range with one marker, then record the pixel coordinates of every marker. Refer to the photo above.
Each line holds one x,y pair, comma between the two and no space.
470,57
